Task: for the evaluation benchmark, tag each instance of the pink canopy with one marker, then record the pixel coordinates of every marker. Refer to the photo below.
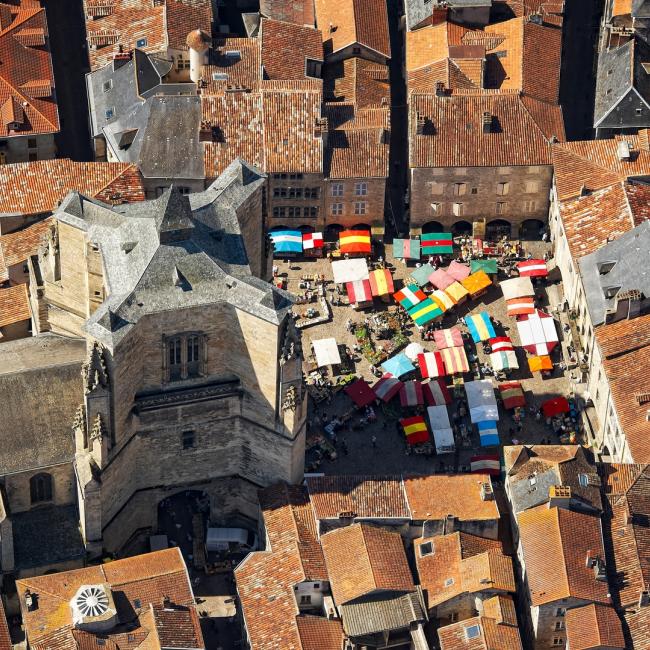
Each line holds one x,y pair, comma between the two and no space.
440,279
449,338
458,271
411,394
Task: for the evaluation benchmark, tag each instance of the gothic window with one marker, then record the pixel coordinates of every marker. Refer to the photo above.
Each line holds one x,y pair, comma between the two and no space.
40,487
184,356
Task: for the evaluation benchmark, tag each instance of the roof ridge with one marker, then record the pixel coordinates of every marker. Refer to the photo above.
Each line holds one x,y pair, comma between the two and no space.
127,167
23,15
537,126
367,554
29,100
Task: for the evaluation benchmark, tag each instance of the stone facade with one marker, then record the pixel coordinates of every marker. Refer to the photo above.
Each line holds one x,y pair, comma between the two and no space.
455,197
26,148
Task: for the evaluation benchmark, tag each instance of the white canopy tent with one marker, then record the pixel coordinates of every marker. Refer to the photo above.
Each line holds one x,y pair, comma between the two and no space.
481,401
443,434
538,333
351,270
327,352
517,288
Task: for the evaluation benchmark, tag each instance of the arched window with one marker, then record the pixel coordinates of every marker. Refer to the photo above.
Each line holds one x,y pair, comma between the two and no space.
40,487
184,356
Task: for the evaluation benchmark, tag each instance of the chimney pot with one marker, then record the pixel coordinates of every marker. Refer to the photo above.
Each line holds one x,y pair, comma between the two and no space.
487,122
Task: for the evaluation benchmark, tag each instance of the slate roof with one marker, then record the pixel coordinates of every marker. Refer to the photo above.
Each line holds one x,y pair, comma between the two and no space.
137,583
14,305
362,559
346,22
29,368
550,465
594,626
37,187
286,47
60,524
143,279
594,164
123,23
27,80
555,543
453,132
628,273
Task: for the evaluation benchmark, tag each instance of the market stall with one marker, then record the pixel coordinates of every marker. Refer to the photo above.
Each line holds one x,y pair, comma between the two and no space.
481,401
440,279
413,350
420,275
480,326
312,243
488,433
503,356
455,360
437,243
485,464
555,406
381,282
326,352
532,269
415,429
458,271
520,306
359,293
448,338
360,393
540,363
350,270
512,395
425,312
431,365
397,366
517,288
286,242
406,249
488,266
441,299
537,333
355,242
457,293
411,394
387,388
435,392
477,283
409,296
443,434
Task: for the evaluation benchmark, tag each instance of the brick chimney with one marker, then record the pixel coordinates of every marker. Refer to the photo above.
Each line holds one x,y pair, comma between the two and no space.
487,122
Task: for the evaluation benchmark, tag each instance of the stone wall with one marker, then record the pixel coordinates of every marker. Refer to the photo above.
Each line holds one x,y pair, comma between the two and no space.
374,199
17,487
26,148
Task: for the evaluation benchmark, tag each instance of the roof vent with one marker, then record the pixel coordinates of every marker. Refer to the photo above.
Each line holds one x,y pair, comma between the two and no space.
642,398
644,598
623,150
486,492
93,609
487,122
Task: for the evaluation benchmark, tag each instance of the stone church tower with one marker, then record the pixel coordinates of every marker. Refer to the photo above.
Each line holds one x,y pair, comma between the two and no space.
193,372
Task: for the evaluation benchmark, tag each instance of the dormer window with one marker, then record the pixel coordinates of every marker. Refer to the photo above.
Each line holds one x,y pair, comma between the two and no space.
611,292
426,549
605,267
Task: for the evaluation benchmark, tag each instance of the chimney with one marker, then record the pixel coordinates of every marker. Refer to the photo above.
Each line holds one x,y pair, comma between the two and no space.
383,136
166,601
450,524
486,492
419,125
559,496
600,572
440,89
644,598
487,122
623,151
590,560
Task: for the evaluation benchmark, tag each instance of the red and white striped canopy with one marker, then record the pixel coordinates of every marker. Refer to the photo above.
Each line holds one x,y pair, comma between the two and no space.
431,365
387,387
359,291
501,344
435,392
520,306
411,393
532,269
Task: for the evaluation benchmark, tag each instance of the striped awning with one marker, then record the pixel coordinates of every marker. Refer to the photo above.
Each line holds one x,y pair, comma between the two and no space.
449,338
381,282
435,392
437,243
409,296
532,269
387,387
425,312
355,241
442,300
455,360
512,395
431,365
415,429
457,292
406,249
411,394
480,326
520,306
358,291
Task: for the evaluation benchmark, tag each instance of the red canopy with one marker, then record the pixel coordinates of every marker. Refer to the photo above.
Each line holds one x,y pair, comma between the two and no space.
512,395
411,394
360,392
358,291
555,406
435,392
485,464
532,269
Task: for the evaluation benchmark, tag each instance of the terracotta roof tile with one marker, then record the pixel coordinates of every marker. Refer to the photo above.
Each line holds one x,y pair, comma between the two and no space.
594,626
318,633
300,13
436,496
453,133
5,639
594,164
242,70
355,80
372,497
18,246
346,22
26,77
143,580
357,153
38,187
286,47
14,305
164,24
501,609
555,545
177,627
362,559
492,635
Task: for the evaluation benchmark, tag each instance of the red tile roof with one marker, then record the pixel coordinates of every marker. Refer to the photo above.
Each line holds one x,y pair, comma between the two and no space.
177,627
555,545
17,246
355,80
286,47
300,12
26,77
164,25
242,67
362,559
142,580
492,635
453,131
38,187
319,633
594,626
346,22
5,639
594,164
14,305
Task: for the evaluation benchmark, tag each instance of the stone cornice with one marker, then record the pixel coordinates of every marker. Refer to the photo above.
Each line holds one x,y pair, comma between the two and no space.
186,395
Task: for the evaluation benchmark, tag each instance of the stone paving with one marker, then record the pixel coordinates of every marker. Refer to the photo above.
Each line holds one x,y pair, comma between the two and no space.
389,455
